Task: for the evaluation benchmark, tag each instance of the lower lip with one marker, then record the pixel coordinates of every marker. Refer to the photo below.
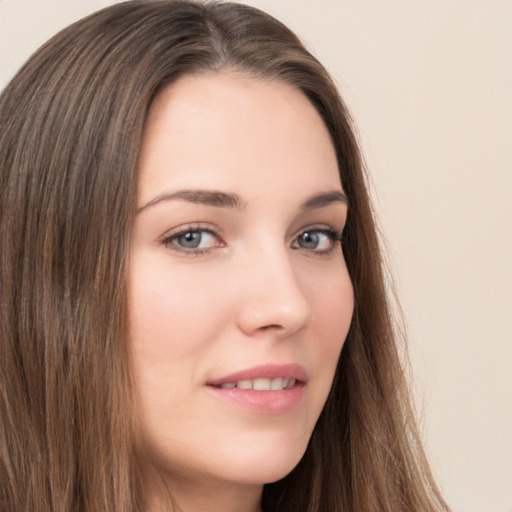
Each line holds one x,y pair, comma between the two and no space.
263,402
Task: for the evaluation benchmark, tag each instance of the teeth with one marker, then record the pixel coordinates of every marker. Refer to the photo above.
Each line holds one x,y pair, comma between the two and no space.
244,384
276,384
261,384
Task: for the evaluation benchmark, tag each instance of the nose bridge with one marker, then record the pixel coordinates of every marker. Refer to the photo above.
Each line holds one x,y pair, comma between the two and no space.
272,294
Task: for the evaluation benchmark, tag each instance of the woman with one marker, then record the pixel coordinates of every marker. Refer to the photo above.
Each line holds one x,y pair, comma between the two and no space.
181,328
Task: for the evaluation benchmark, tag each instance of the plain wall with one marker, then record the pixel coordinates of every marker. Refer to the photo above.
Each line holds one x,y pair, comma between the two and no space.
430,86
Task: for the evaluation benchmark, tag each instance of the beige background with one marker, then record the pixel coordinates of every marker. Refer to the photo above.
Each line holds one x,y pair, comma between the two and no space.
430,85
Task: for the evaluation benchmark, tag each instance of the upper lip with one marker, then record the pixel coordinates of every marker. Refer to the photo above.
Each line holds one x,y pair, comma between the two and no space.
265,371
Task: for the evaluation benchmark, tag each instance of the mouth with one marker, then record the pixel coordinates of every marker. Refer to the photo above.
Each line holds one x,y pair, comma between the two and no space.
265,389
261,384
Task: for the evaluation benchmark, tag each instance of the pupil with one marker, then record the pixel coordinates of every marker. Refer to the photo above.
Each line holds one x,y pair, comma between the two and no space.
190,240
309,240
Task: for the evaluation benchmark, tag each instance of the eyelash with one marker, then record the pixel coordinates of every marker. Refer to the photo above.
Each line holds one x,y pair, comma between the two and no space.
168,240
335,238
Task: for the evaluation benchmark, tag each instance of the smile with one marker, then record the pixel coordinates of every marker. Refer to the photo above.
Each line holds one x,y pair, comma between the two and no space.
265,389
261,384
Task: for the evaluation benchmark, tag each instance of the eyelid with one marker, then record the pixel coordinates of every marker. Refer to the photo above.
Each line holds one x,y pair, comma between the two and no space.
334,234
321,226
167,239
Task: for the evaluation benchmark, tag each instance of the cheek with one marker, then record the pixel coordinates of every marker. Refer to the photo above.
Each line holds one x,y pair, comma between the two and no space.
335,314
174,318
171,315
332,308
174,321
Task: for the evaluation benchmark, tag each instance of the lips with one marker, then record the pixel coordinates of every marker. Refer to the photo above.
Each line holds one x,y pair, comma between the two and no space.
261,384
265,389
259,376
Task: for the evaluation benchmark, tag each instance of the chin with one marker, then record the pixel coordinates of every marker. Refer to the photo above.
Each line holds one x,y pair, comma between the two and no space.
255,459
260,464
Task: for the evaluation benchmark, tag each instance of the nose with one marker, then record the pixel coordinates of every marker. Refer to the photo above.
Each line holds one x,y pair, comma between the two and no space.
272,298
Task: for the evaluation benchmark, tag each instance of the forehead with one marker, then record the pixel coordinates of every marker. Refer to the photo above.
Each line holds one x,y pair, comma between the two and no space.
233,131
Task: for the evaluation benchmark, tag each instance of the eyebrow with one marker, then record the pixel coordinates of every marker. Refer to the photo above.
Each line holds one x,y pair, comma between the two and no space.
207,197
324,199
231,200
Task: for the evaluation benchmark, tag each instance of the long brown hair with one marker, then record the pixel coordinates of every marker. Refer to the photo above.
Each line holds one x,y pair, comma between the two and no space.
71,127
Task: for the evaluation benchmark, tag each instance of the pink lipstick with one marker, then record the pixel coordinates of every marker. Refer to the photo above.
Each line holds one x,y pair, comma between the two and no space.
267,389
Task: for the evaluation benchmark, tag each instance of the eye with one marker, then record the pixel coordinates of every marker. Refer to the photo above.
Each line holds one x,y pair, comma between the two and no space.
317,240
192,240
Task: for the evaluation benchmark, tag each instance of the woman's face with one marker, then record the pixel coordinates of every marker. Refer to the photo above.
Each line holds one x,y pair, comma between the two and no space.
237,279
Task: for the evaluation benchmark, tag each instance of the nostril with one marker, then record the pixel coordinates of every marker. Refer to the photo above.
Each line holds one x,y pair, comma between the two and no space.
272,327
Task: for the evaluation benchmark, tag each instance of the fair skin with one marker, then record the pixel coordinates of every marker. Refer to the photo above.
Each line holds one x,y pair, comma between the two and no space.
236,280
